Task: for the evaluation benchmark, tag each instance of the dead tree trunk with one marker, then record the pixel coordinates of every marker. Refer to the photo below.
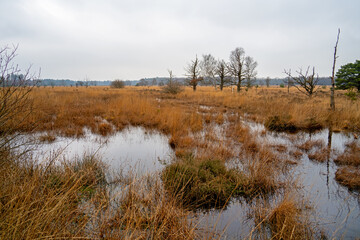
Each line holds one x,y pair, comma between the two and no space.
332,95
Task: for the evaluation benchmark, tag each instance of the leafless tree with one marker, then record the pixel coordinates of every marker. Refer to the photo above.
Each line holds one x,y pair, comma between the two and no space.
267,81
193,72
236,66
208,67
305,82
221,72
15,103
250,72
332,95
289,82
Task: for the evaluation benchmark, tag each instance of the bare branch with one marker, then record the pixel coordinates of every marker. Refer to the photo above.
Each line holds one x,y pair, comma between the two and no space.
305,82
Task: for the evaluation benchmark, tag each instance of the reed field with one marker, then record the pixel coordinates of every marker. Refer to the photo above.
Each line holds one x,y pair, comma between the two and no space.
216,158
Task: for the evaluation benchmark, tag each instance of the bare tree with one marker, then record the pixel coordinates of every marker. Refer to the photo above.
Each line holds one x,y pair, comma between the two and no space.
193,72
221,72
250,72
236,66
267,81
305,82
15,103
87,81
289,82
332,95
208,67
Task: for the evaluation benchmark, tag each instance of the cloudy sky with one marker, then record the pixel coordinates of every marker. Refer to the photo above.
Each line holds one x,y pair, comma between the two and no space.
132,39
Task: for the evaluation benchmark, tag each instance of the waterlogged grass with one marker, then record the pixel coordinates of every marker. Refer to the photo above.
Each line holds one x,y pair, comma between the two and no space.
286,219
72,200
202,183
207,183
43,200
348,173
287,124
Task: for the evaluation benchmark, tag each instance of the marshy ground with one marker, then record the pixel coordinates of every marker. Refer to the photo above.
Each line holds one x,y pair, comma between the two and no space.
226,152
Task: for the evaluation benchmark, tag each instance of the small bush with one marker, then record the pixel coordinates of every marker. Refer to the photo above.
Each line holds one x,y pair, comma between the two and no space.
351,94
173,87
117,84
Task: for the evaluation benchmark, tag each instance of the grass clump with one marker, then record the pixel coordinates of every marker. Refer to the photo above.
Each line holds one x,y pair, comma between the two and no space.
349,176
351,156
286,219
349,172
202,183
320,156
42,200
280,124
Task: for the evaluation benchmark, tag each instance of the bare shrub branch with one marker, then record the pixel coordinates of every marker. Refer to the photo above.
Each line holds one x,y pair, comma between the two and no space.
305,82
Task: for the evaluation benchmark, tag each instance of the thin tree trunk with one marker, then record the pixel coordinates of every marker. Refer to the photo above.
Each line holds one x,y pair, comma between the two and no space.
332,95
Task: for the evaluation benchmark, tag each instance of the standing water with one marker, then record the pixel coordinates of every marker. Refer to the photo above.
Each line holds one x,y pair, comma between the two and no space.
336,209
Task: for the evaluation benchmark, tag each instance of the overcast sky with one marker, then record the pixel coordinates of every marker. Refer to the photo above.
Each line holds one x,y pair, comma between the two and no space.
133,39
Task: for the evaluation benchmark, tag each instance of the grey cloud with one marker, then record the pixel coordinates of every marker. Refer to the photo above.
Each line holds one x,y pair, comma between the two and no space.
141,38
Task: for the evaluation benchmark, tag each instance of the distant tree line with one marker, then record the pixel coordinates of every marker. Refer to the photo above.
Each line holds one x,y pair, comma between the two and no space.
240,70
161,81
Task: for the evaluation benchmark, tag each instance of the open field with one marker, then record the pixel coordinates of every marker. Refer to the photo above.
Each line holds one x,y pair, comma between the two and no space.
68,109
217,158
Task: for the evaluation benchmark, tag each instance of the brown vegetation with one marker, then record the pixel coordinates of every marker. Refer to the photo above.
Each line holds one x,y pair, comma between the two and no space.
349,172
351,156
72,200
65,107
321,155
287,219
349,176
207,132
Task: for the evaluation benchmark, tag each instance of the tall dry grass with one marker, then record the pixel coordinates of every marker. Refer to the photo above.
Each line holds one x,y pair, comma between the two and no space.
69,109
72,200
288,218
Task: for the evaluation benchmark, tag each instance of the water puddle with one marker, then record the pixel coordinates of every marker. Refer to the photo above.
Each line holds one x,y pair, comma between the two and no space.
133,148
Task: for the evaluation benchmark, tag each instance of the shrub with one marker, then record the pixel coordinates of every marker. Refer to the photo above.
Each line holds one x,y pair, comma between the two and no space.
173,87
117,84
